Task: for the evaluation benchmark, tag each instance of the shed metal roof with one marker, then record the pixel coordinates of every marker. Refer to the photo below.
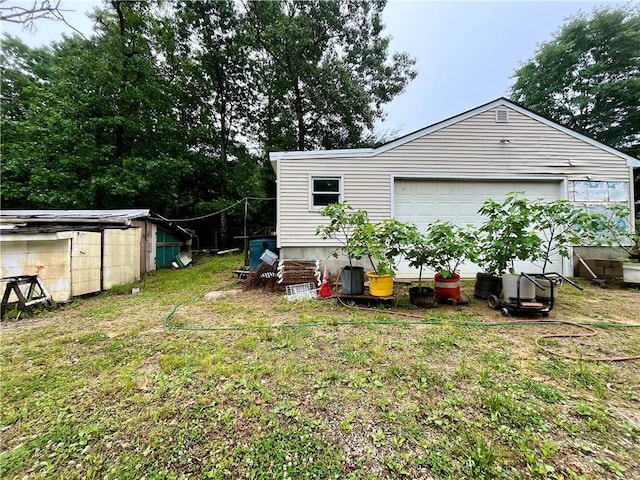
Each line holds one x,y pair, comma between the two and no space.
64,219
65,215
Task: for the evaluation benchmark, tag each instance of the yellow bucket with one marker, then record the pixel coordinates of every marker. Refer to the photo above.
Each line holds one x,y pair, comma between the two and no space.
380,285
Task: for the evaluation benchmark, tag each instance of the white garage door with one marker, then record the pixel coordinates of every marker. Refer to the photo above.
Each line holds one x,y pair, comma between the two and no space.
424,201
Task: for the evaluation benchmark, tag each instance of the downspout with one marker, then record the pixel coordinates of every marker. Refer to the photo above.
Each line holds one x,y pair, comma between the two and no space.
566,264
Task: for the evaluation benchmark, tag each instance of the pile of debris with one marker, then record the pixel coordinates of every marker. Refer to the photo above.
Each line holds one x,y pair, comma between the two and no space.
274,272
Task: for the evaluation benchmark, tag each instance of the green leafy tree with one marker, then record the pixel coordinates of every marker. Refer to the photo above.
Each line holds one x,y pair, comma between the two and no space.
508,234
344,223
218,73
42,148
23,70
326,71
173,105
137,129
588,77
98,130
448,246
561,225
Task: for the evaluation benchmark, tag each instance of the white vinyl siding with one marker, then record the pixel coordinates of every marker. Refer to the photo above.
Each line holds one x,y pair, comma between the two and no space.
470,148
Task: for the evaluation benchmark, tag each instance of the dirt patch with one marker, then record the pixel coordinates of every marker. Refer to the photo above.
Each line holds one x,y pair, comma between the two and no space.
220,294
151,364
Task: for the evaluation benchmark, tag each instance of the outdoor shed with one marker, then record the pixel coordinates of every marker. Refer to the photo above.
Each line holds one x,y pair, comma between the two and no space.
446,171
77,252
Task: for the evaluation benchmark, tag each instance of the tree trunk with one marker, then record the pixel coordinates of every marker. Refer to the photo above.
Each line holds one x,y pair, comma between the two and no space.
224,151
299,115
119,132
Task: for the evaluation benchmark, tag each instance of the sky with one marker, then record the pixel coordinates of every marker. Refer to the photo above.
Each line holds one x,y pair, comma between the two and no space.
466,51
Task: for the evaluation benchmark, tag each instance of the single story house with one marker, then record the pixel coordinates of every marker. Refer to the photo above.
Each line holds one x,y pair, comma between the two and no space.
76,252
446,171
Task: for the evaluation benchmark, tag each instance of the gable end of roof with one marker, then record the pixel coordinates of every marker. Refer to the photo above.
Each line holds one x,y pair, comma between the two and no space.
499,102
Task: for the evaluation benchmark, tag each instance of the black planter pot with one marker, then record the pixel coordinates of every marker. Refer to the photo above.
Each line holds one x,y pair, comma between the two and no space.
352,280
423,297
487,285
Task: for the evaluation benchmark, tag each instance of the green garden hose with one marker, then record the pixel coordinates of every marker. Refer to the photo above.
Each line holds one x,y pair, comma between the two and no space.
419,320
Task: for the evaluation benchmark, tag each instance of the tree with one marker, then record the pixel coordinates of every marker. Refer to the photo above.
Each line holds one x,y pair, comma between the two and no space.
137,131
22,72
326,72
217,72
22,69
97,131
28,13
173,105
588,78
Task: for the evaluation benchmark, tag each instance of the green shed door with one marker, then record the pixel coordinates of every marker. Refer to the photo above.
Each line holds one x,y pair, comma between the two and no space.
168,246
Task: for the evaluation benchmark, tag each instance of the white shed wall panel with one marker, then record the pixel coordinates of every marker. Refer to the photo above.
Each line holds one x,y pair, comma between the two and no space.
469,148
85,262
48,258
120,256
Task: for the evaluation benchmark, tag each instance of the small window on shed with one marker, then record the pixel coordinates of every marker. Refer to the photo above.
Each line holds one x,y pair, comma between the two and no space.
502,116
324,191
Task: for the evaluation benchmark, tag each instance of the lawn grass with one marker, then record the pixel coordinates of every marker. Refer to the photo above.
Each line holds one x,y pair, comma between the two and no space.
101,388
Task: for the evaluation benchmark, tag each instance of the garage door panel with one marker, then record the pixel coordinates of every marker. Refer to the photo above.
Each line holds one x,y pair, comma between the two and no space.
424,201
404,208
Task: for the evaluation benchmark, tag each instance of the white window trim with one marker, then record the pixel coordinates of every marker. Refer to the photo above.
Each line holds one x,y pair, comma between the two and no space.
319,176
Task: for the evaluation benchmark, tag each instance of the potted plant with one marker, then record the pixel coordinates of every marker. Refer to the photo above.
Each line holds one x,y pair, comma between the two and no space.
615,229
419,256
343,222
508,235
561,225
447,247
384,243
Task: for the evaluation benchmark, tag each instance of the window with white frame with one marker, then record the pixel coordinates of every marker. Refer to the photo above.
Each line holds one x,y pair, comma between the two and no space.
324,190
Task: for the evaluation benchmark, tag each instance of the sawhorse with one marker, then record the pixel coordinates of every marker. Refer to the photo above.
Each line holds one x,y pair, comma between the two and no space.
29,291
